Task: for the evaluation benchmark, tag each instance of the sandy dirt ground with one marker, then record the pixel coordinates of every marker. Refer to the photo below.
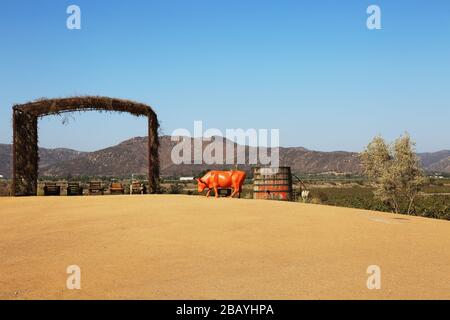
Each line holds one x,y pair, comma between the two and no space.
186,247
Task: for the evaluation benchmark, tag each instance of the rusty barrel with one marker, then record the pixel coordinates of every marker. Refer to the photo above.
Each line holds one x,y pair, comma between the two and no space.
272,183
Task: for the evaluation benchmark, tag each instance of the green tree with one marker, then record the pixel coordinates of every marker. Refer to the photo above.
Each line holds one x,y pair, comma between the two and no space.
396,171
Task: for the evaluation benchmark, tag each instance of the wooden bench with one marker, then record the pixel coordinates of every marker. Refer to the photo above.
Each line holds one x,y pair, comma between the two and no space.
74,189
137,188
95,187
116,187
51,189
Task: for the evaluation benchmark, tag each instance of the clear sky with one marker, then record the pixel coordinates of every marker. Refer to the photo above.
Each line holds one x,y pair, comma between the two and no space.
309,68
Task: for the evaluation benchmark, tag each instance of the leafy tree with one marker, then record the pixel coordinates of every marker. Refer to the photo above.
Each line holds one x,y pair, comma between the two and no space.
396,172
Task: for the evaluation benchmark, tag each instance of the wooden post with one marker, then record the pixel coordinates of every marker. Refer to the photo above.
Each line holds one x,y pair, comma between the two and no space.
25,154
153,155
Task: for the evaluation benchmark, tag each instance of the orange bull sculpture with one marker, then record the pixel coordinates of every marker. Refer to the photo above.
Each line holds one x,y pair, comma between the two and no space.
215,180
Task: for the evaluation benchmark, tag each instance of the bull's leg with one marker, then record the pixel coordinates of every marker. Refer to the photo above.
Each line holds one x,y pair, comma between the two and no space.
216,191
235,190
208,193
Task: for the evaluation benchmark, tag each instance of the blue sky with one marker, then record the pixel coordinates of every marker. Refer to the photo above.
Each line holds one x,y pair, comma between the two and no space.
309,68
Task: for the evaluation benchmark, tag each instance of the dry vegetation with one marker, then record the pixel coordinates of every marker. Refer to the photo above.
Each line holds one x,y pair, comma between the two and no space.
5,188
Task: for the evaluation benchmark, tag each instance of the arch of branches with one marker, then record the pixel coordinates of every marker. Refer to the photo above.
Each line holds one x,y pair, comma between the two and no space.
25,135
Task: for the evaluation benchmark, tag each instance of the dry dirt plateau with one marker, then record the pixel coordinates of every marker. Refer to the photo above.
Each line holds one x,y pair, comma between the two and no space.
187,247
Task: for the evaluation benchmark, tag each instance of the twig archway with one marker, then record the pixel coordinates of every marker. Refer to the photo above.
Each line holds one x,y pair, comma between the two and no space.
25,135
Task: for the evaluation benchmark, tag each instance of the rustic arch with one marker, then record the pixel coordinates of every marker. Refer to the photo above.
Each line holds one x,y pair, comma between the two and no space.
25,135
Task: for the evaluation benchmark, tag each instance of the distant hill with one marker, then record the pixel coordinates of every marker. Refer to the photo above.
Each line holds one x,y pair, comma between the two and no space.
48,158
432,158
436,161
5,160
441,166
130,156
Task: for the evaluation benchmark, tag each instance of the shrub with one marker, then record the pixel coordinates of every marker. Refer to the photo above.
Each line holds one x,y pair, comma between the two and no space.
319,196
175,188
5,188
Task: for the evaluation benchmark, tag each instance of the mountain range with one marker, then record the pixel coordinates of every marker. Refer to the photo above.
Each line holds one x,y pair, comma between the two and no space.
130,157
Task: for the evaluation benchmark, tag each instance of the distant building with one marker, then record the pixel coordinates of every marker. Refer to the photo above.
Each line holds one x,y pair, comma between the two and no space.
187,178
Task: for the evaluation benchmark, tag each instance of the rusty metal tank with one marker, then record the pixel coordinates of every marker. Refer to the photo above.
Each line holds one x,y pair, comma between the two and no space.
272,183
